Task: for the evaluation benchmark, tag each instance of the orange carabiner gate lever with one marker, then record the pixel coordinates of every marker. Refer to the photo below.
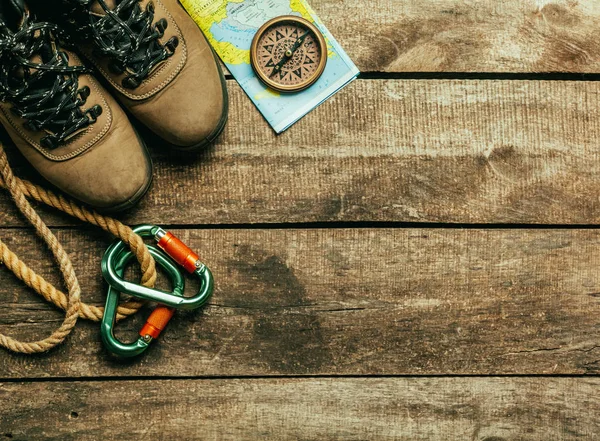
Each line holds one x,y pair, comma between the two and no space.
172,252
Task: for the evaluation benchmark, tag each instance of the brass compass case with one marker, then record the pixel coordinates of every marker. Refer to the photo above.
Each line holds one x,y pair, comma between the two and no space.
288,53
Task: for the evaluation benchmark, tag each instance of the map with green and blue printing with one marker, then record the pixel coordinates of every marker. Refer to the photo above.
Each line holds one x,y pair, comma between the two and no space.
230,26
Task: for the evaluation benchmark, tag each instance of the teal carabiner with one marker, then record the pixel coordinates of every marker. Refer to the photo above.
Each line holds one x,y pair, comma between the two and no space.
174,252
113,296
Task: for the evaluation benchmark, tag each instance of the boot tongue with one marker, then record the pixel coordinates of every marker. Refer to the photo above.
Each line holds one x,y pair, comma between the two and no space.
12,13
99,10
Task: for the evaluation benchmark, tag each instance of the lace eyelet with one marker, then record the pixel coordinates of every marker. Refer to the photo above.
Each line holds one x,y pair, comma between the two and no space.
50,142
94,113
171,45
160,26
84,93
131,83
163,23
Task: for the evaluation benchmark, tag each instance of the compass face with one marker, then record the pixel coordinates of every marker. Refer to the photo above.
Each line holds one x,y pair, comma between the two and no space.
289,54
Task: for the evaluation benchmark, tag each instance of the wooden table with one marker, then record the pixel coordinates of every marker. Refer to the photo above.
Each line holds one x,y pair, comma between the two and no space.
415,260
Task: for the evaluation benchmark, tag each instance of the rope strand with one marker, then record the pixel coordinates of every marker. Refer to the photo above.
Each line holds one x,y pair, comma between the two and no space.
21,190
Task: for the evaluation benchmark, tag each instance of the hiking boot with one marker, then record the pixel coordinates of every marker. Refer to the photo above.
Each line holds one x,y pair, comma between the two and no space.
157,61
64,123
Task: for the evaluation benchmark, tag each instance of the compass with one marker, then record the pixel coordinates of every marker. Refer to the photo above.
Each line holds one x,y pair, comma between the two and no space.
288,53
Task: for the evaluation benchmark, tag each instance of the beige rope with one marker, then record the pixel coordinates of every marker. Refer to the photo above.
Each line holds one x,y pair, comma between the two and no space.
20,191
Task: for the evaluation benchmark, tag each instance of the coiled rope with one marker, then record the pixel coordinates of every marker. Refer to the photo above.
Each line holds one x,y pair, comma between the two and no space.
71,302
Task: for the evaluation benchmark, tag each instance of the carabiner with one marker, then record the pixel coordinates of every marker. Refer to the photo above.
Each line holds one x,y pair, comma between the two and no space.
175,249
114,263
158,318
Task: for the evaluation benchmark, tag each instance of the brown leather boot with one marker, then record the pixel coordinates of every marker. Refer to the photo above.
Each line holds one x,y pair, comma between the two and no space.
158,63
62,120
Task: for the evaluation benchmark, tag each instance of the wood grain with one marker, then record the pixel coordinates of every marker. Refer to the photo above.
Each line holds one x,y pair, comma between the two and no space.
362,302
345,302
467,36
481,409
509,36
401,151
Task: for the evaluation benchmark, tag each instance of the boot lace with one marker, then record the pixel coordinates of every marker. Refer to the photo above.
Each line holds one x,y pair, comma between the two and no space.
44,92
128,36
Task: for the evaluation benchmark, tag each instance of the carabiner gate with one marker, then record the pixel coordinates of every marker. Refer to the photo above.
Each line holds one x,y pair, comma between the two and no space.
177,250
114,263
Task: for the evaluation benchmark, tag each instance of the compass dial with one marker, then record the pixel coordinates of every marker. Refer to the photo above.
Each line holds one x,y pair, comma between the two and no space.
289,54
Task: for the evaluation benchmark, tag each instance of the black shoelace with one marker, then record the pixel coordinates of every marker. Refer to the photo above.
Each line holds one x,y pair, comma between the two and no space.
46,92
128,36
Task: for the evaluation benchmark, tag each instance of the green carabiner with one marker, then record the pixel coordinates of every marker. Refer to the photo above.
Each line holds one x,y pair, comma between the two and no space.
176,250
173,252
113,344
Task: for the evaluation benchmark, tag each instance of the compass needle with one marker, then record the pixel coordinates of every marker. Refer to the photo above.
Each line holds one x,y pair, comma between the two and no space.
288,54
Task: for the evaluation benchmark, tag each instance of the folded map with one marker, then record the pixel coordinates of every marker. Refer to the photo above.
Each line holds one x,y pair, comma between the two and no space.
230,26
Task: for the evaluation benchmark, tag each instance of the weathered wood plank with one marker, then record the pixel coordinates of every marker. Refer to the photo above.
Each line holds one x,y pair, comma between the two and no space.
466,36
481,409
409,151
346,302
